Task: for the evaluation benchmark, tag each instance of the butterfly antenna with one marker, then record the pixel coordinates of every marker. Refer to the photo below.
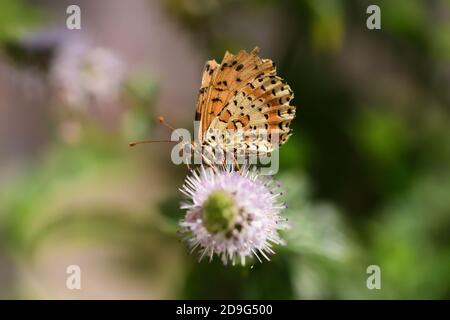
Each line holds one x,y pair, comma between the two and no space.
164,123
133,143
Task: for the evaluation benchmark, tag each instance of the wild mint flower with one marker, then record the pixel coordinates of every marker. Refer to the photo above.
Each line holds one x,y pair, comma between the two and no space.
234,214
84,74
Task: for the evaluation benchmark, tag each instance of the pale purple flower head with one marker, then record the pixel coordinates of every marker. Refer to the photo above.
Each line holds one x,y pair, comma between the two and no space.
84,74
234,214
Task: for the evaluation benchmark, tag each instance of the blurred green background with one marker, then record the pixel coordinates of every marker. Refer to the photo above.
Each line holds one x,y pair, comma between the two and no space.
366,173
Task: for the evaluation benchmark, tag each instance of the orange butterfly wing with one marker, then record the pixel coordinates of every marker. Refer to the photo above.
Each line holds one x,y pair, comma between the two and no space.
243,92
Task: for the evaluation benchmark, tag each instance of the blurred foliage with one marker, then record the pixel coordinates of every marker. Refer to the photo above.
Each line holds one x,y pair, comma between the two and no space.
22,198
17,17
366,172
410,242
142,92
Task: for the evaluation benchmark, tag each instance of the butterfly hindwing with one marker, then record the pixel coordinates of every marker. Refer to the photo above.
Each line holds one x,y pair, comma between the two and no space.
260,108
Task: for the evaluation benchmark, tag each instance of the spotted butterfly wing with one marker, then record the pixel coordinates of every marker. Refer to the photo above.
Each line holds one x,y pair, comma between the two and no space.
243,94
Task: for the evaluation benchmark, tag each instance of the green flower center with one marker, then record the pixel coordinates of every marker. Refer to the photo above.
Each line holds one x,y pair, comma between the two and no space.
219,212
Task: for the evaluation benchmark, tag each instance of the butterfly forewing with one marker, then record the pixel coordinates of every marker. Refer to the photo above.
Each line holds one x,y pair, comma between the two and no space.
208,72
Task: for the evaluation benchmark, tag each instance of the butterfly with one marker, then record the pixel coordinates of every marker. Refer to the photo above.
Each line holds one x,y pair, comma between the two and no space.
243,106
